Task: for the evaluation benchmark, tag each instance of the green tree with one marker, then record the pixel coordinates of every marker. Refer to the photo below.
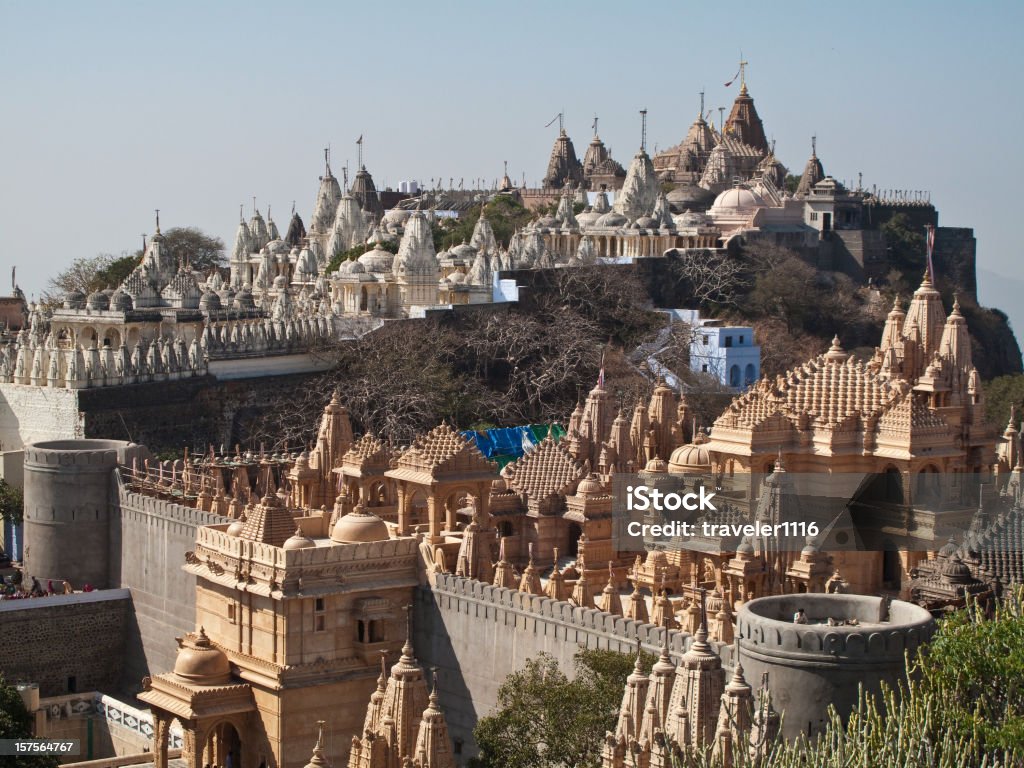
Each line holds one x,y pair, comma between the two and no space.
87,274
546,720
115,272
193,246
79,276
906,246
16,723
12,502
1000,394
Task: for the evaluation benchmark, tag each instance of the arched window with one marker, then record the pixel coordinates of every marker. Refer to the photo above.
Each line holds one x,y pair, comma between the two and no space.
734,376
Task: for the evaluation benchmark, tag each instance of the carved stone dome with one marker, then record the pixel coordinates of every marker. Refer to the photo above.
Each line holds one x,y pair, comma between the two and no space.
656,465
359,526
738,199
98,301
121,301
589,486
236,527
209,301
200,662
690,458
298,540
377,259
611,219
74,300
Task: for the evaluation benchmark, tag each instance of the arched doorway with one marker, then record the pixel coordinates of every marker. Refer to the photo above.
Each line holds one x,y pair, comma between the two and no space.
223,747
573,545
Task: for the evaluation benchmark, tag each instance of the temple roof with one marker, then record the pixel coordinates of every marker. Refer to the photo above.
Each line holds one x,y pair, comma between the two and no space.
745,124
441,451
828,390
546,470
563,166
813,173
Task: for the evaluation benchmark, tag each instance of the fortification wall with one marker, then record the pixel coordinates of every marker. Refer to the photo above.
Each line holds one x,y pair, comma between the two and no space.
193,412
31,414
813,665
148,541
67,508
477,634
66,643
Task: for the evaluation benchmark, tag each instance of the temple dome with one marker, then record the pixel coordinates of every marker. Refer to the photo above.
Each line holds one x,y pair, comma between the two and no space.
589,486
236,527
200,662
378,259
298,540
121,301
465,251
693,457
689,196
74,300
359,526
98,301
209,301
656,465
611,219
244,299
738,199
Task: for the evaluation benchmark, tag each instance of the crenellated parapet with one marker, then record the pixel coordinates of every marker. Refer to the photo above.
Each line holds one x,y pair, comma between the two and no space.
818,648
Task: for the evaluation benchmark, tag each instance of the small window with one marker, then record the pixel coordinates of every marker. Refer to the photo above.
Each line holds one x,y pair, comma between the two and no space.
814,215
741,339
704,368
728,341
319,620
705,340
72,684
231,613
376,632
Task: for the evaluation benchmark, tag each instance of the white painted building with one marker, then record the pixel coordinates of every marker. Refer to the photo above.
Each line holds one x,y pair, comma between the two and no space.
727,352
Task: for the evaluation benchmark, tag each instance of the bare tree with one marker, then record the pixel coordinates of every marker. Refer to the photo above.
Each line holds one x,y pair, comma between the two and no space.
712,277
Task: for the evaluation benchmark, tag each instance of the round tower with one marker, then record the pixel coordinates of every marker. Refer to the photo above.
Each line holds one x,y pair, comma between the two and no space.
67,509
846,640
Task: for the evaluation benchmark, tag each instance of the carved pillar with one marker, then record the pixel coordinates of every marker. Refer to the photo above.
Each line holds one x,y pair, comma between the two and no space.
161,728
192,746
434,519
403,510
449,511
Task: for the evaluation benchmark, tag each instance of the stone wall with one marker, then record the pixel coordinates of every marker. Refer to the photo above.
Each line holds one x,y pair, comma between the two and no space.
477,634
814,665
49,640
32,414
148,541
191,413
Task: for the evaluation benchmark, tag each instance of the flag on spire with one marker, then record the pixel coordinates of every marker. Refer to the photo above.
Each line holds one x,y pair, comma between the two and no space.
600,375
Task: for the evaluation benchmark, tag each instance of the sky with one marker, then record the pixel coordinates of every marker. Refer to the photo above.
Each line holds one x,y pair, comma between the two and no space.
111,110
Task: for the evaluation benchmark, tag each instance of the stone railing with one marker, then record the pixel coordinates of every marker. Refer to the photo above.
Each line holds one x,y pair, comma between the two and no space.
606,629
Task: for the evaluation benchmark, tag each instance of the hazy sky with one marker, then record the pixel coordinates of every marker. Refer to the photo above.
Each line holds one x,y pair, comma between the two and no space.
113,109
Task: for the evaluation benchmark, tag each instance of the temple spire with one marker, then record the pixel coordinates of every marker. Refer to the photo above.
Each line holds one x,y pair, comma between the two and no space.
643,129
158,221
